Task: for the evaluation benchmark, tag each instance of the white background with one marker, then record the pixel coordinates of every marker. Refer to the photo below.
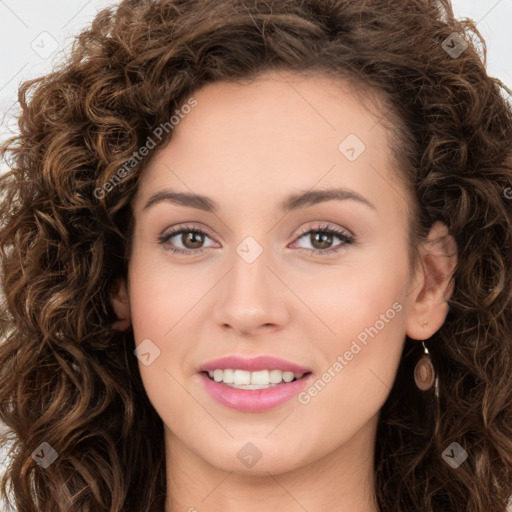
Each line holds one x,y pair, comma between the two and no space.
31,29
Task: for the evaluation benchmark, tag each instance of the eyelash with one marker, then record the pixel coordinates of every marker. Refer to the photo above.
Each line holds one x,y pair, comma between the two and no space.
342,235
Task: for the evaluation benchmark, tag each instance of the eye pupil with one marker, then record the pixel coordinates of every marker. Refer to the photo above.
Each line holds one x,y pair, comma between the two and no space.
325,243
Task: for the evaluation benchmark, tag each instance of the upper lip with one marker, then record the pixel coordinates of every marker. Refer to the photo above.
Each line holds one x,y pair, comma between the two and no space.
253,364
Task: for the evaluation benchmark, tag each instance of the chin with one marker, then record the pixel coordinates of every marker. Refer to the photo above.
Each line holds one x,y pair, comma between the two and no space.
255,456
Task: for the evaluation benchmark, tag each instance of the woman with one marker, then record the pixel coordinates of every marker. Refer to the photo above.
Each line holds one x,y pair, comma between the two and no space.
257,254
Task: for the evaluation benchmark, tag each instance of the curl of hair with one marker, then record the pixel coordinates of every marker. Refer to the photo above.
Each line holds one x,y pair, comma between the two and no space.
68,378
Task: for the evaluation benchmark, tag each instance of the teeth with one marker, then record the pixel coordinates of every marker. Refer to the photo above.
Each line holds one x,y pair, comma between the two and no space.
240,377
261,377
228,376
288,376
252,380
276,376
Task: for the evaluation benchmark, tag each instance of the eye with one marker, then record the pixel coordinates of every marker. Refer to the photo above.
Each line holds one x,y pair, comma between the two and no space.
193,238
190,237
321,238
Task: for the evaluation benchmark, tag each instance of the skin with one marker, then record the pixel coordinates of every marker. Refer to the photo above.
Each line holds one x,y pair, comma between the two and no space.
247,147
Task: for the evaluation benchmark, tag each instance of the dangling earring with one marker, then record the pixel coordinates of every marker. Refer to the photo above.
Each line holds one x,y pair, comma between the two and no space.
424,373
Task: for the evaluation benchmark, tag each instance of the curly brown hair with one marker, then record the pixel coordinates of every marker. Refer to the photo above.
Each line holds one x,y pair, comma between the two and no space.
68,378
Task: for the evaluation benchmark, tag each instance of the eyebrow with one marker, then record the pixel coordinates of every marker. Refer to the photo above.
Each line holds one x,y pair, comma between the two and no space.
295,201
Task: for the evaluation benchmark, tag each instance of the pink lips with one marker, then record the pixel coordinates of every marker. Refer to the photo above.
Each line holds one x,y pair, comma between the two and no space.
253,364
253,400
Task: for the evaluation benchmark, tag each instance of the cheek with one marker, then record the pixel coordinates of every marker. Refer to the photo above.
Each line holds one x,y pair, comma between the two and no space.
364,308
158,302
360,299
363,350
161,293
360,364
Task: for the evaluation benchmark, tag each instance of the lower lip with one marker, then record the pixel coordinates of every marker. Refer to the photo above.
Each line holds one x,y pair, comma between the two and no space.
253,400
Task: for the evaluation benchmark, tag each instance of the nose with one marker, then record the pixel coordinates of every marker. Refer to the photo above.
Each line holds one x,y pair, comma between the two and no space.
251,297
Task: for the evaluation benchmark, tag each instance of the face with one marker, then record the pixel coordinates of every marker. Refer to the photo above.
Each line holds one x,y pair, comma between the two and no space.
321,284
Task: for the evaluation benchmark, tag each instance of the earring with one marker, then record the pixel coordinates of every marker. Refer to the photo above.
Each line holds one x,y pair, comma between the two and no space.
424,373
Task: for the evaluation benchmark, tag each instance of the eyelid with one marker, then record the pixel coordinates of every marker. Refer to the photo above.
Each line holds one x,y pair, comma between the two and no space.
326,226
186,227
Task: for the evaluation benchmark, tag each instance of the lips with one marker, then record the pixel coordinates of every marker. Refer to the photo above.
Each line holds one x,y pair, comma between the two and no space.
253,364
256,400
254,397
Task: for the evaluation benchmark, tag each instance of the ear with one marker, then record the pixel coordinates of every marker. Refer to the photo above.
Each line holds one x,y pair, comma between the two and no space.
121,305
432,285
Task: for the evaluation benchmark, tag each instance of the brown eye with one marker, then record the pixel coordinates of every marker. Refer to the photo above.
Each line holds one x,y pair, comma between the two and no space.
192,239
321,240
184,240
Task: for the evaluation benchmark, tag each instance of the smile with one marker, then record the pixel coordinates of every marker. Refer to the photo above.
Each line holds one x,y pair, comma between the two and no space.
262,379
254,397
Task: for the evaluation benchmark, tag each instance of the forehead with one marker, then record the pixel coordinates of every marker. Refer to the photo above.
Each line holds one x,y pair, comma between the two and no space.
276,132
